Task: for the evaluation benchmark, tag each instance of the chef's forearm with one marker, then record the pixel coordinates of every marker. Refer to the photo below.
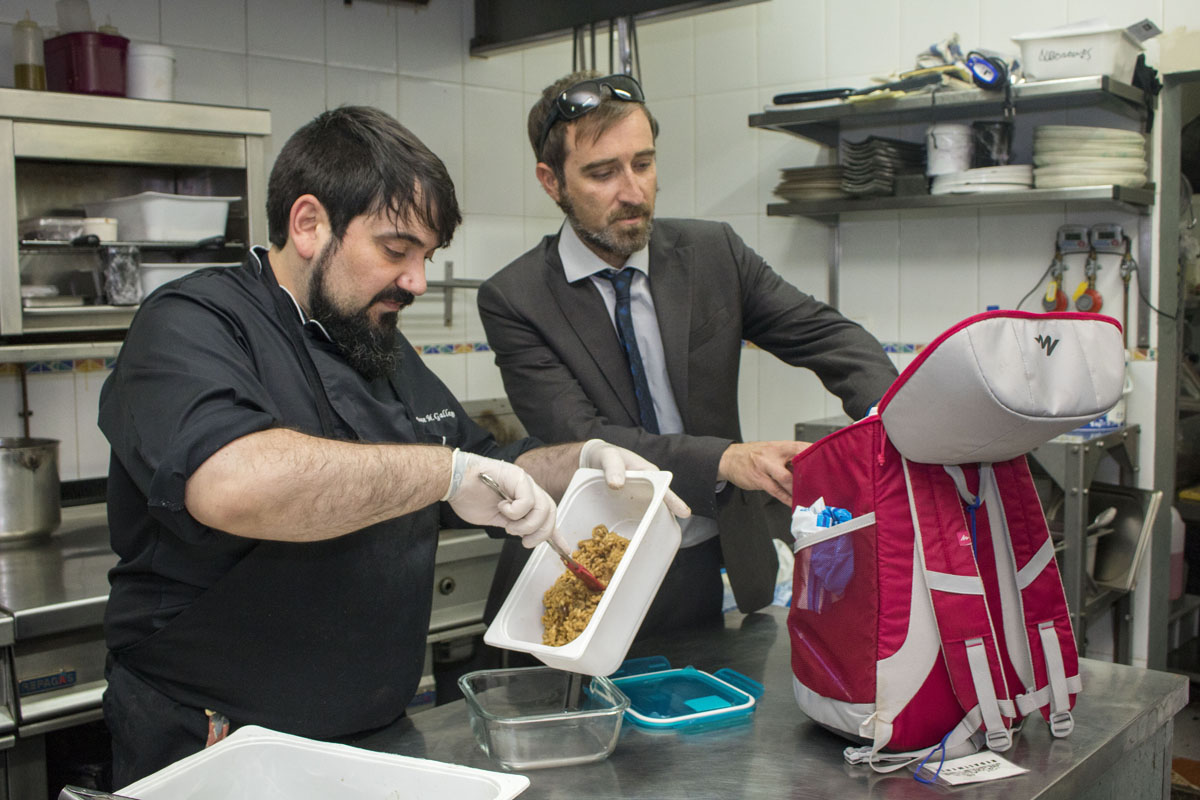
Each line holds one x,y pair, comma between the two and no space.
284,485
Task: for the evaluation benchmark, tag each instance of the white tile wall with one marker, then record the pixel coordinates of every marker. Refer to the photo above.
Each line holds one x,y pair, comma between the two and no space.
904,275
676,157
296,31
668,59
137,19
791,43
294,92
543,64
494,146
213,25
861,37
361,87
92,447
483,378
430,41
870,272
490,242
206,76
433,110
362,35
1180,13
725,144
927,22
55,408
723,42
799,251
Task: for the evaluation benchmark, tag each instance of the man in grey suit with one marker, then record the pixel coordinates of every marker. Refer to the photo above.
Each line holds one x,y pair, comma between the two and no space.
630,329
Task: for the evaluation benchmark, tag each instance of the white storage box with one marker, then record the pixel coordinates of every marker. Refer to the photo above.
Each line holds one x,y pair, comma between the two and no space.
1073,51
258,764
636,512
160,217
153,276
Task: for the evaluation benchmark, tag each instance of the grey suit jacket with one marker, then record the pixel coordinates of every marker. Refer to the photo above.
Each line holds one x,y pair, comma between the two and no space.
568,380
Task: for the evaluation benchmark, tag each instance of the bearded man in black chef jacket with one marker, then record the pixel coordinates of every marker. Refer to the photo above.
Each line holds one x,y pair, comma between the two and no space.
693,291
282,461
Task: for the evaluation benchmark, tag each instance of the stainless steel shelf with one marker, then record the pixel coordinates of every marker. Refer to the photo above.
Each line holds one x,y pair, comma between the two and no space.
1136,200
822,121
66,351
124,112
33,245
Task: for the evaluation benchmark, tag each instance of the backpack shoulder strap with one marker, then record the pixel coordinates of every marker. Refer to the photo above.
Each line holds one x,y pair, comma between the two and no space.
1034,605
969,645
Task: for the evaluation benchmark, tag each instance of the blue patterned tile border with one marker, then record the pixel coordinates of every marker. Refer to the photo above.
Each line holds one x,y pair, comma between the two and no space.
452,349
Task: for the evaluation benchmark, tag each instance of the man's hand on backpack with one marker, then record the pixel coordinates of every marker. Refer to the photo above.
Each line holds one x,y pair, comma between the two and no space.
762,466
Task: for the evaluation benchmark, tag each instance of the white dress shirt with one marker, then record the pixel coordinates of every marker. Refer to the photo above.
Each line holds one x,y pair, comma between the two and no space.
579,263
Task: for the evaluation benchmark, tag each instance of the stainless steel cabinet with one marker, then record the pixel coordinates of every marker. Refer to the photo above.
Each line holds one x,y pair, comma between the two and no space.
63,150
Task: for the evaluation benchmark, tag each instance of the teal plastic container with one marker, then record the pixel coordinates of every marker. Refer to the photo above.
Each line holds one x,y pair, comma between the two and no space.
687,699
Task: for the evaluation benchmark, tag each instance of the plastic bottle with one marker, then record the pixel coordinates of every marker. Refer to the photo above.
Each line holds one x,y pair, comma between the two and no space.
108,27
29,64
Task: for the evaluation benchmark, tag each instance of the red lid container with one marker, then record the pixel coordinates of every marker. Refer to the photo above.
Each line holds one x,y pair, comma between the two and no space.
86,62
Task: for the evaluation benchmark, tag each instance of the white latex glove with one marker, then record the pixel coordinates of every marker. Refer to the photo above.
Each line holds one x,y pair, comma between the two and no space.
530,514
616,461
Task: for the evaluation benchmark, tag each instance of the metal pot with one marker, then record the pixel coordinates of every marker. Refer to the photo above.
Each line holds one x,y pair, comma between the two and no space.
29,491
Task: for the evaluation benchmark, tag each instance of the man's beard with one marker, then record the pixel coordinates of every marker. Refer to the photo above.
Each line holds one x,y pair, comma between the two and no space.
371,348
620,241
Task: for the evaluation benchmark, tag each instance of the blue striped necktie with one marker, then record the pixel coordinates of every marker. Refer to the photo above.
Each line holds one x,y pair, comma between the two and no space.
621,281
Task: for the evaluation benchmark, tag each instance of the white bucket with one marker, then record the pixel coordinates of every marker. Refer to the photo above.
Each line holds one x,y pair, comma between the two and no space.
150,72
948,148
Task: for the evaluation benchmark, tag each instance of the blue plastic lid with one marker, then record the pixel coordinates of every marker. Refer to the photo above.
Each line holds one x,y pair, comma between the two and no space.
679,698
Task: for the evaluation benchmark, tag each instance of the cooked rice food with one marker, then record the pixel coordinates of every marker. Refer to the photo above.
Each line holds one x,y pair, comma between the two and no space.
570,604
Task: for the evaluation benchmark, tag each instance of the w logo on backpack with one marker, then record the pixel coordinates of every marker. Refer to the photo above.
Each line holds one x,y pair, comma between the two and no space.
1046,343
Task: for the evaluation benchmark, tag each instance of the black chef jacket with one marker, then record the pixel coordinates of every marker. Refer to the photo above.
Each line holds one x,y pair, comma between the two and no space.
319,639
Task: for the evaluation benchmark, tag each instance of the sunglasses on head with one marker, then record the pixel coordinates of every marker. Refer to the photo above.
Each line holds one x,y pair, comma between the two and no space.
587,95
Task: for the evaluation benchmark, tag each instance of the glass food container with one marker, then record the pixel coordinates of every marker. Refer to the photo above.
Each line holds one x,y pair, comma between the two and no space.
525,718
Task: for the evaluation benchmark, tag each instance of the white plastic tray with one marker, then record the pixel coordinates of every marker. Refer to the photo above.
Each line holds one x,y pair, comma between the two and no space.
259,764
636,512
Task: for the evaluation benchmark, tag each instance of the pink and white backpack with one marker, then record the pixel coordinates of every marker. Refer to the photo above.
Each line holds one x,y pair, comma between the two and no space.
936,615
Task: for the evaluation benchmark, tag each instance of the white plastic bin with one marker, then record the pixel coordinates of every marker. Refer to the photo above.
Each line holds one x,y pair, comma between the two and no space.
161,217
258,764
636,512
1073,51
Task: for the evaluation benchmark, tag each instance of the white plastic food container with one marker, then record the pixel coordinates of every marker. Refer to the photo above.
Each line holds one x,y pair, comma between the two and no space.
1073,51
636,512
153,276
161,217
258,764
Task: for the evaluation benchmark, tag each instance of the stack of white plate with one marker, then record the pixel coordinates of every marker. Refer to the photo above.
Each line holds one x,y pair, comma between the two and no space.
1011,178
1077,155
810,183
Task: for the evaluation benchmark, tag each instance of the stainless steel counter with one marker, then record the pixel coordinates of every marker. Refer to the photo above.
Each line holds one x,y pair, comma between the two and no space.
1121,746
59,583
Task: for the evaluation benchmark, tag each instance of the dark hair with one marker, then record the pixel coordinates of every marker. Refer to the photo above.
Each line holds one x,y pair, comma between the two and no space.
358,160
594,123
